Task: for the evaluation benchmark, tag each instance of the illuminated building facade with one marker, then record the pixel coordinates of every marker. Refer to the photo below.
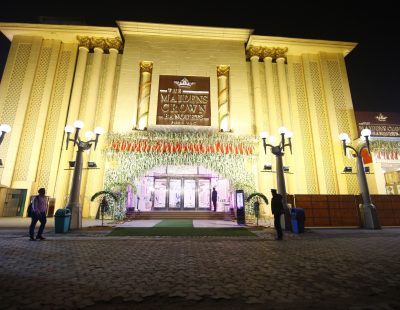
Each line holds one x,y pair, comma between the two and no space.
182,107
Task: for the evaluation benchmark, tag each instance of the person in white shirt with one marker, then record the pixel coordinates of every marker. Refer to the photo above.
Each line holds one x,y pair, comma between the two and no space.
39,205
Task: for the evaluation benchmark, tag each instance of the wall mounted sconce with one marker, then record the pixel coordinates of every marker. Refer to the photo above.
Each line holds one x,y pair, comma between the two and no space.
91,164
348,169
268,167
71,163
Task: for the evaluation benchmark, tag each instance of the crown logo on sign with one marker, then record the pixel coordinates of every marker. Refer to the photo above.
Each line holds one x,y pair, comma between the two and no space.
381,117
184,83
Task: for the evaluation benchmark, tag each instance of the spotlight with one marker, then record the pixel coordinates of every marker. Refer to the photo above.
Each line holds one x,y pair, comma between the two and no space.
91,164
347,169
72,163
268,167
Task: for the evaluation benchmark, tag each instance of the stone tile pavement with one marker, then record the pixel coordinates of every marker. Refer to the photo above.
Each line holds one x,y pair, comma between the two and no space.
320,269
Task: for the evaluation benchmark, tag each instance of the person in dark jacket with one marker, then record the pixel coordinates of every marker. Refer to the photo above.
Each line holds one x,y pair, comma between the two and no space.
277,210
39,205
214,198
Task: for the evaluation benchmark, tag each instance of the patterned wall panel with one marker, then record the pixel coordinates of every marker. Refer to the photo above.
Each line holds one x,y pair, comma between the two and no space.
324,144
306,132
31,117
343,118
49,146
278,115
9,109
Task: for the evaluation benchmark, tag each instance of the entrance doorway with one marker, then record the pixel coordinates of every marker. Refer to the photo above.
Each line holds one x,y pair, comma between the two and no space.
180,188
182,193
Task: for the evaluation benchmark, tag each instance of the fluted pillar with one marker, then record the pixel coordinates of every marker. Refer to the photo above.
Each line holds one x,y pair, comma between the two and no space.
285,110
223,98
283,91
88,112
93,89
146,68
269,82
95,177
62,183
255,73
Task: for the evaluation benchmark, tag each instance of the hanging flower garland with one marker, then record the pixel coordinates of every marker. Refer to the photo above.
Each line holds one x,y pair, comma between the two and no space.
386,150
232,156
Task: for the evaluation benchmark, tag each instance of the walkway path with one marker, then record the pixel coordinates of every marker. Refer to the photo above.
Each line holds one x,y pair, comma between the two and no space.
320,269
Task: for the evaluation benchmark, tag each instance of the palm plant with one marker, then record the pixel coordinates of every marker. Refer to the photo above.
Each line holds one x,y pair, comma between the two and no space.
103,195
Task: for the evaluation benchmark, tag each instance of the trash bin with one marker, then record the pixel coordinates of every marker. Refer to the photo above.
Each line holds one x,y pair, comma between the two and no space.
298,217
61,220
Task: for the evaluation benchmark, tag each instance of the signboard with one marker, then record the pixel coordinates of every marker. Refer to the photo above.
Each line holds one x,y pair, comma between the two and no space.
240,211
184,100
240,199
381,124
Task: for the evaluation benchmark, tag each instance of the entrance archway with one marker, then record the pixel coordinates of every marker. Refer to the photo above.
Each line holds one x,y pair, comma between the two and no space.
181,188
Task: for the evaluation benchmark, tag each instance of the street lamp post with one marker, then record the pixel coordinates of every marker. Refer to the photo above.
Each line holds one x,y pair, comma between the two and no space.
369,216
278,151
73,202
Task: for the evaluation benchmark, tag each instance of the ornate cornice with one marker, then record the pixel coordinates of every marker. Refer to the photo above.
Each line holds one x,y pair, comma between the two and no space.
263,52
104,43
146,66
223,70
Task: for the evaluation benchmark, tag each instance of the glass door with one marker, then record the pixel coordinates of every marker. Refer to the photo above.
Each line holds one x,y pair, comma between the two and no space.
160,194
189,194
175,193
204,194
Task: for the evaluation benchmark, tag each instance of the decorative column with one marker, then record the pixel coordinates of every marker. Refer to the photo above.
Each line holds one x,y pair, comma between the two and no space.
96,177
93,87
283,87
269,82
223,97
280,54
254,53
146,69
63,176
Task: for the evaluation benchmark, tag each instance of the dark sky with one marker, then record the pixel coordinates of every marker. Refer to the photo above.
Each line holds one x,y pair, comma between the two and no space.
373,66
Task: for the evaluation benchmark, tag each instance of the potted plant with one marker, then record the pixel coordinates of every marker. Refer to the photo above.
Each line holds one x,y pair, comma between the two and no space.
103,195
255,198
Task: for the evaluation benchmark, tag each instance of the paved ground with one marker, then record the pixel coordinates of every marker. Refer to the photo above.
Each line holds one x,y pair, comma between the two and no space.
320,269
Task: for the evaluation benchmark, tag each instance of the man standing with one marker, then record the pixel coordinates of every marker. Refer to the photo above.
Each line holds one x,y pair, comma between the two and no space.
277,210
214,198
39,206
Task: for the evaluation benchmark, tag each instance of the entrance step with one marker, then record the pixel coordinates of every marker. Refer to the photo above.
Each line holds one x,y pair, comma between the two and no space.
195,215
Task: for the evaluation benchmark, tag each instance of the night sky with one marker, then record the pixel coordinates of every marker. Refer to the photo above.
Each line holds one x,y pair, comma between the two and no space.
373,66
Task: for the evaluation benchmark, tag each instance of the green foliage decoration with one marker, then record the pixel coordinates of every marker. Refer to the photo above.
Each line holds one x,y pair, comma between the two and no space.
126,165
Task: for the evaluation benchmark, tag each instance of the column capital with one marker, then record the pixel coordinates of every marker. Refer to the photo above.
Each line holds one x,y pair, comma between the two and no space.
265,52
146,66
104,43
223,70
254,51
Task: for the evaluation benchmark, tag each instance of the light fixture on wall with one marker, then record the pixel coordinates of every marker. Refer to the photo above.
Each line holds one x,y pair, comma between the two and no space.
4,128
348,169
71,163
285,168
92,164
268,167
